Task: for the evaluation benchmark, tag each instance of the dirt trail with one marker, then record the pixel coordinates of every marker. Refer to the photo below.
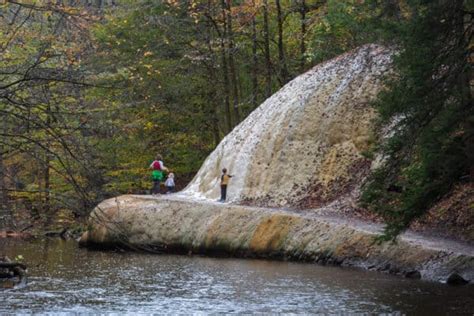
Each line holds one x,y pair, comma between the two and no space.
324,215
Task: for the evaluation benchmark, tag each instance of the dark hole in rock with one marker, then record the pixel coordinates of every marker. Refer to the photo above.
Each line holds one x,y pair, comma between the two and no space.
413,274
456,279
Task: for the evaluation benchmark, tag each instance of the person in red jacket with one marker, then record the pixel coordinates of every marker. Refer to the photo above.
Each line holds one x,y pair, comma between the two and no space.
157,175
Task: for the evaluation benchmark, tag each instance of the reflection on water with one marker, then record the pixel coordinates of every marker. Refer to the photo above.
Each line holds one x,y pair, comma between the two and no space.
64,278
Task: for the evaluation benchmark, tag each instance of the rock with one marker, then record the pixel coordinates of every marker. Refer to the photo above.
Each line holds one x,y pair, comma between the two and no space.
394,270
212,228
11,273
456,279
413,274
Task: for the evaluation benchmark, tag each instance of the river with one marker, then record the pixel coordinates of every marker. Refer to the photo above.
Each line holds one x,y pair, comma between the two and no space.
66,279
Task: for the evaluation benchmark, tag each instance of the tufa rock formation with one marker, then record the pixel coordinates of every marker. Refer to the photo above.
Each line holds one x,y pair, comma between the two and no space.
174,224
303,146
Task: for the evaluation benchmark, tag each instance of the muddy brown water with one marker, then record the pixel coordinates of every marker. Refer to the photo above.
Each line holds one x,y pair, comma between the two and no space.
66,279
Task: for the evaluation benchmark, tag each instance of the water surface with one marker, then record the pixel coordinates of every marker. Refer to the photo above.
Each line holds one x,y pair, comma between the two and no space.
64,278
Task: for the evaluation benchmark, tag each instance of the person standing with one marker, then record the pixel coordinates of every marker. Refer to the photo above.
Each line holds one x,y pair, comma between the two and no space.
224,182
157,175
169,183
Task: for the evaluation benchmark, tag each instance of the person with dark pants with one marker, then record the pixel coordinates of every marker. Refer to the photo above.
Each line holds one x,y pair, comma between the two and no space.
223,193
157,175
156,186
224,182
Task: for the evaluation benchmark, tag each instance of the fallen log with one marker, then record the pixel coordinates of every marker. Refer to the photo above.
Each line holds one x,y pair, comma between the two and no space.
12,265
12,234
6,275
64,233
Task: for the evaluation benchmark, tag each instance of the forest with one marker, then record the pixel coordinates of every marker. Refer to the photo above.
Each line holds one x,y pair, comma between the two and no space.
92,90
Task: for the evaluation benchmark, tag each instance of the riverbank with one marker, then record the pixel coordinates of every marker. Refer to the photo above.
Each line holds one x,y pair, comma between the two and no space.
176,224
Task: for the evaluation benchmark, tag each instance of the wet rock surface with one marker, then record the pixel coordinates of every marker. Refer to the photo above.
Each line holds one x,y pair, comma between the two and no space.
12,274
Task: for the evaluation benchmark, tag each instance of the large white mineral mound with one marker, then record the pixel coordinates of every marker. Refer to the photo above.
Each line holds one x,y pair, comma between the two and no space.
303,146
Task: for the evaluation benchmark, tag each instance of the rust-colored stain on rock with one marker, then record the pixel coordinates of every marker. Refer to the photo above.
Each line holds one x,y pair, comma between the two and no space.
217,226
271,232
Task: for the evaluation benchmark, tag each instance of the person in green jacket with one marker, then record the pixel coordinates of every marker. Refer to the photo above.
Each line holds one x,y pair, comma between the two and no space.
157,175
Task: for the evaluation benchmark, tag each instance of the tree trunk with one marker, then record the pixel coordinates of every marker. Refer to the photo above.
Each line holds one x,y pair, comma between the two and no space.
225,71
4,203
255,60
281,50
466,78
213,79
392,9
233,74
47,184
4,207
46,170
266,38
3,197
303,34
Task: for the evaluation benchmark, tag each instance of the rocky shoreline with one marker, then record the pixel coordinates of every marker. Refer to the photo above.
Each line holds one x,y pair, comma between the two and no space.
176,224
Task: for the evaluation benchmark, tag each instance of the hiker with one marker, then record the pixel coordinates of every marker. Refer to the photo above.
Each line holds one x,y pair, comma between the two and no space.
224,182
157,168
169,183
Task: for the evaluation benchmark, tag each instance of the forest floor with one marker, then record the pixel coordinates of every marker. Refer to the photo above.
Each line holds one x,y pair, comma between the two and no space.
452,216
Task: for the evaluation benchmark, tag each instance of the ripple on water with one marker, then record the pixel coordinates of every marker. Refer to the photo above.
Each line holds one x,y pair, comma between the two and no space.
82,281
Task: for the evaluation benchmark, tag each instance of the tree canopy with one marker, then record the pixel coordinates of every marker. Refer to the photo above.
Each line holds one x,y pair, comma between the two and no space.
90,91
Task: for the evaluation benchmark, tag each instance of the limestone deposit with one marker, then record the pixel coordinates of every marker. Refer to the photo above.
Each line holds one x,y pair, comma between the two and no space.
304,143
182,225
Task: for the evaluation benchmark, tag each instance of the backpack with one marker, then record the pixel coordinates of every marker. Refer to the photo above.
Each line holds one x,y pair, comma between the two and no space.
156,165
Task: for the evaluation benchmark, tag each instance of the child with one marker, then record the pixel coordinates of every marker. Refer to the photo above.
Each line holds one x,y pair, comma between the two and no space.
169,183
224,182
157,167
